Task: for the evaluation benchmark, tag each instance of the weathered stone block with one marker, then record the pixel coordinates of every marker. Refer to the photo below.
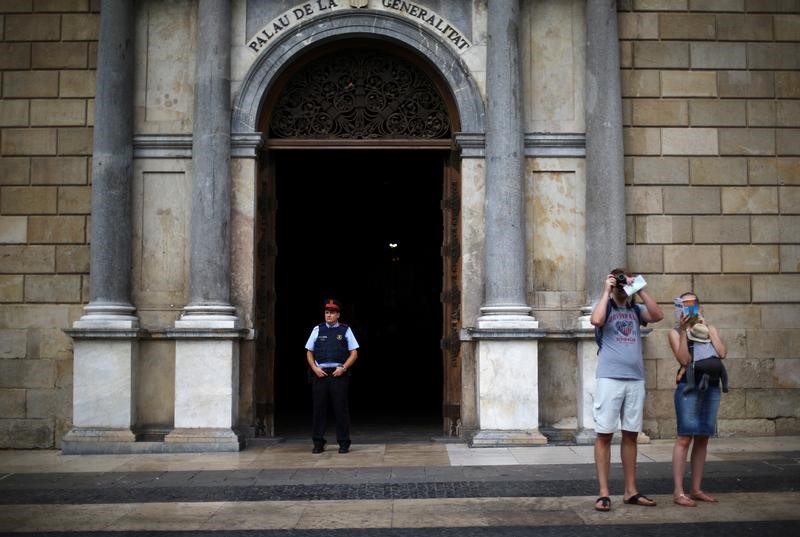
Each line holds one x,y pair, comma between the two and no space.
80,27
772,403
721,229
10,287
75,141
790,257
27,259
59,55
625,55
14,170
749,258
29,316
766,343
28,200
641,141
642,83
48,403
51,343
32,27
787,85
777,56
57,229
722,288
74,200
734,317
686,26
61,6
14,113
693,141
13,344
750,84
660,55
787,141
72,258
57,288
749,373
787,27
27,373
29,84
12,403
749,27
660,112
666,371
17,6
26,433
789,199
746,141
77,83
657,229
660,5
780,316
718,55
13,229
685,258
28,142
638,25
718,171
776,288
661,170
745,427
15,56
717,5
771,171
64,371
761,114
62,112
688,84
645,258
787,114
659,403
714,113
787,426
692,200
786,373
733,405
665,287
643,200
58,171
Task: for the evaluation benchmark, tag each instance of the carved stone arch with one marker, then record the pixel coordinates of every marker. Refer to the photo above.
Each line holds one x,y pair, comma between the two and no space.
358,24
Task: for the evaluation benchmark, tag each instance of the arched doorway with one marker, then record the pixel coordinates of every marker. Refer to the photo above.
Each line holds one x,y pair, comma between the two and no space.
358,200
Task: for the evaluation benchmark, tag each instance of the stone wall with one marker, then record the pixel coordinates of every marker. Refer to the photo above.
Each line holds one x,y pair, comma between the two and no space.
712,143
47,55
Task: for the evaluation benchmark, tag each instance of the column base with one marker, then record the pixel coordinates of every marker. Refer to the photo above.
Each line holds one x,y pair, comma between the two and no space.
504,438
88,441
585,437
203,440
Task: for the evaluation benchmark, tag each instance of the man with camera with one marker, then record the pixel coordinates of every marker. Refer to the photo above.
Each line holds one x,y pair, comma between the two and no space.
620,391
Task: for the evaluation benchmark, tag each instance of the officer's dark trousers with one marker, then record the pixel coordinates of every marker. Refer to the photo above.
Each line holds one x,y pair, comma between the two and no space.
334,390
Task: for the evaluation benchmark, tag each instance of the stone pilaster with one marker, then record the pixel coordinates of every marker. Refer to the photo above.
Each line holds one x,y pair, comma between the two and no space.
605,177
506,332
207,346
105,338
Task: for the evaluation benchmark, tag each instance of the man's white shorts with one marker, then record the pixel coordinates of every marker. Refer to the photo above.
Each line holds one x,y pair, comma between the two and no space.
616,401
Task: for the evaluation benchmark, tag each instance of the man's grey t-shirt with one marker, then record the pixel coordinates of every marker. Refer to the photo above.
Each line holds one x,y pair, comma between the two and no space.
621,352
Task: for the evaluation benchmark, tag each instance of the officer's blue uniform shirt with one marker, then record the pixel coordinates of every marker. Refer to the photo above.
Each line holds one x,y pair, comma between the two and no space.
352,344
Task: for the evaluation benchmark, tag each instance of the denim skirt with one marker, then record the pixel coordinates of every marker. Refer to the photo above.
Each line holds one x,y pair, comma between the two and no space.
697,410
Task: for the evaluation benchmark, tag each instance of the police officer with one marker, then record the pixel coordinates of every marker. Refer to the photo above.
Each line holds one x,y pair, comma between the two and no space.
331,351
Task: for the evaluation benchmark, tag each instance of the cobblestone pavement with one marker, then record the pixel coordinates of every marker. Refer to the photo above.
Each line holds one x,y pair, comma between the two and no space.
395,489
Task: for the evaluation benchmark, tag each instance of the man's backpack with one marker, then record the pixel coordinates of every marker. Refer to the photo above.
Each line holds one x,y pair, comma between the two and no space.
598,330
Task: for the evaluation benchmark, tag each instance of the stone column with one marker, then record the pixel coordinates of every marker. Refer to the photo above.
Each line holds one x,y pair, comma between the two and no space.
605,185
105,344
206,348
508,390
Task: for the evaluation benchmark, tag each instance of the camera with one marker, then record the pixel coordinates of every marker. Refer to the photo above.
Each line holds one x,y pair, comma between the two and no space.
622,280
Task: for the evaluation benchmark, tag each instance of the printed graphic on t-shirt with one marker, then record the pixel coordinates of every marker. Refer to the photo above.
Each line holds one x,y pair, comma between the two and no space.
624,323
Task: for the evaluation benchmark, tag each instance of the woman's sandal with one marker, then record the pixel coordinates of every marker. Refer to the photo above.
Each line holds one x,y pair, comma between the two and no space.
684,501
605,503
703,497
638,498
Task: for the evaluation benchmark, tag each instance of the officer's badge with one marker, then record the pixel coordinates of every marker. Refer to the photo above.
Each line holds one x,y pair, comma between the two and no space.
339,337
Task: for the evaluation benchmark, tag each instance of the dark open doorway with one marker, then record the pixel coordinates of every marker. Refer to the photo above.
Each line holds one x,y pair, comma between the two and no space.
364,226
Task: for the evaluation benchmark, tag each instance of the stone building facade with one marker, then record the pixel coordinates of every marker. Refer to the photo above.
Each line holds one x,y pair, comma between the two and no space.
563,138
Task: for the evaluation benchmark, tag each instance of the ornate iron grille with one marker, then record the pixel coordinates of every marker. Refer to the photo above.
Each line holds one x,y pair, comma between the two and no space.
360,95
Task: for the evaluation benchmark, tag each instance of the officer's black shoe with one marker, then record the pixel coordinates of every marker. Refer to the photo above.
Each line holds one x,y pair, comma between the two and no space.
318,448
344,449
